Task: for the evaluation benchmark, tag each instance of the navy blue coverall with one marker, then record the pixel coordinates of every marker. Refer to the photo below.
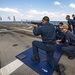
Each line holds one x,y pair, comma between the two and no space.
74,18
47,32
71,22
68,43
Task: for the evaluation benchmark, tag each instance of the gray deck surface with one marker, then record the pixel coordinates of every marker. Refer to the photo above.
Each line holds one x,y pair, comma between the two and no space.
23,41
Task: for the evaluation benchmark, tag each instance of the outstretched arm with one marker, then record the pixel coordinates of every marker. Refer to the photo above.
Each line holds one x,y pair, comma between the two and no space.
36,30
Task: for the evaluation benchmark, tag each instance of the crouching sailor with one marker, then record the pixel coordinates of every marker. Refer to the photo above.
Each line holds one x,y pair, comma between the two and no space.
68,42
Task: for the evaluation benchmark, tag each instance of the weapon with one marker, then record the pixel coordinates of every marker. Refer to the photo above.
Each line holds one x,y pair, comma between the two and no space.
37,23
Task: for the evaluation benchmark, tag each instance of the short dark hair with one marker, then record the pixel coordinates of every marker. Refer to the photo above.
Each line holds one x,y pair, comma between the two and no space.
73,15
68,16
61,23
46,18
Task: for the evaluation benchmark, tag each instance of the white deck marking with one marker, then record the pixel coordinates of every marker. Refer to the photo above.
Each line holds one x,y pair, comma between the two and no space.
11,67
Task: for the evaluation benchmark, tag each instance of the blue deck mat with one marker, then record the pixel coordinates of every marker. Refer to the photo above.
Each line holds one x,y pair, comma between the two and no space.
43,68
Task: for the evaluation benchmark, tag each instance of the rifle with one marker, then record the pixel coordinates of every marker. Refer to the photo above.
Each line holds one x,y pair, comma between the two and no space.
37,23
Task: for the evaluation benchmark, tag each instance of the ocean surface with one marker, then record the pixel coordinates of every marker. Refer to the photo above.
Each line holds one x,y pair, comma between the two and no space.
29,22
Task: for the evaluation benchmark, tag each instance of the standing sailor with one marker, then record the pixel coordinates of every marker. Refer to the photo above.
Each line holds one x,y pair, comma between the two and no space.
71,24
73,16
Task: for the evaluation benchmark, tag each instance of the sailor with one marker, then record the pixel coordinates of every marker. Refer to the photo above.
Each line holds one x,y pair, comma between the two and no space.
59,34
73,16
68,42
71,24
48,43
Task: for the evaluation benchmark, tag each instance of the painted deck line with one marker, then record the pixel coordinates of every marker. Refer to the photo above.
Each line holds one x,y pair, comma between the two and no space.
11,67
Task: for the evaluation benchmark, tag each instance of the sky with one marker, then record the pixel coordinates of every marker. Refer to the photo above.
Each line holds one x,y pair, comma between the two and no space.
24,10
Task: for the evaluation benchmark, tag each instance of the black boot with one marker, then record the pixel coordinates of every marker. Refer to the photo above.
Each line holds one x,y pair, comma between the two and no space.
71,57
60,70
35,59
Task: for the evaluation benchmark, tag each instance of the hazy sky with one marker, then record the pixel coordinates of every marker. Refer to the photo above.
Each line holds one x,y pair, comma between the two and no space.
36,9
